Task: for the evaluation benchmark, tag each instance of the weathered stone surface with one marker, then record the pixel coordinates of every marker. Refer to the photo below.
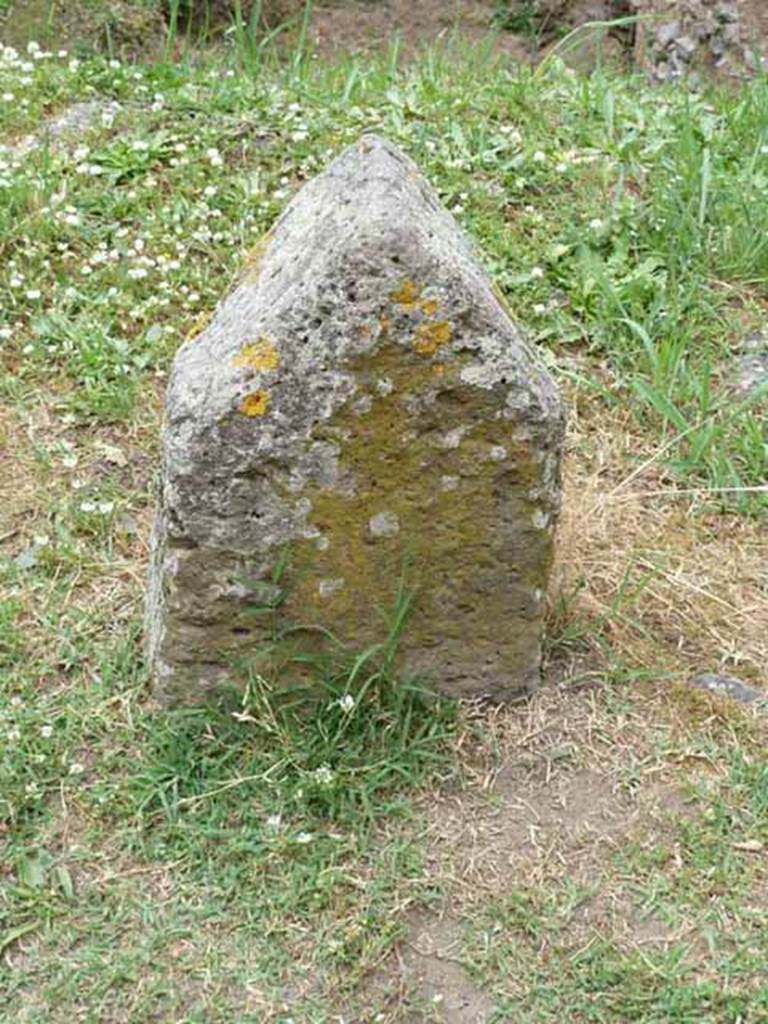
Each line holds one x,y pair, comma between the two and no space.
750,377
728,686
361,401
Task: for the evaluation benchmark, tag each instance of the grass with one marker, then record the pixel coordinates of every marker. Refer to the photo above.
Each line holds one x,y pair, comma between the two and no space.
600,851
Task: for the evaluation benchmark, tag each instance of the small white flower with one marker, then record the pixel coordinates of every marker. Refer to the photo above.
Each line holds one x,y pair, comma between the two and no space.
346,703
214,157
137,273
8,97
539,157
303,838
14,735
596,224
87,506
539,308
104,508
210,191
33,293
511,131
5,333
537,273
76,769
42,540
274,821
16,281
46,731
323,775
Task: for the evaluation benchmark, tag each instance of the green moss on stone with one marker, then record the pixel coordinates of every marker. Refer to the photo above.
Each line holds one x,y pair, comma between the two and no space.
429,478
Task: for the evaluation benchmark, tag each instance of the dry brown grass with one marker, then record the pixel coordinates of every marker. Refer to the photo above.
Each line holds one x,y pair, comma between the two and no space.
671,584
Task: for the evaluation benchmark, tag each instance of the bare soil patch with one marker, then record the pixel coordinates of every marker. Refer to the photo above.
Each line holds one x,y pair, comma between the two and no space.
359,26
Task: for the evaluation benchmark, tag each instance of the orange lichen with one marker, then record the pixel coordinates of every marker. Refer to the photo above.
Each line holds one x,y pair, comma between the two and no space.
406,295
430,336
258,355
255,404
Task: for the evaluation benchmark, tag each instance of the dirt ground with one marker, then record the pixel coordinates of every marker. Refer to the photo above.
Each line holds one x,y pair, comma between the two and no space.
720,35
358,25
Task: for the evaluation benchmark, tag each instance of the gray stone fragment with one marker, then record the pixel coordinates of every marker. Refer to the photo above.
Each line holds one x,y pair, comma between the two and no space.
67,126
751,370
362,361
728,686
686,44
668,33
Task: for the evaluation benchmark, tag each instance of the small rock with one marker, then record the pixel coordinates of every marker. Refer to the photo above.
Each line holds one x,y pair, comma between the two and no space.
728,686
667,34
686,44
751,371
69,124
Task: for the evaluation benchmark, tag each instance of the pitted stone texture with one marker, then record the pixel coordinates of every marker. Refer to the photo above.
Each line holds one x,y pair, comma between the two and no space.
361,409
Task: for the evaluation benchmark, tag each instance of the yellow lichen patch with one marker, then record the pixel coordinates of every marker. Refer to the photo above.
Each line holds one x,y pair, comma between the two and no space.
199,324
252,263
429,306
407,295
258,355
255,404
430,336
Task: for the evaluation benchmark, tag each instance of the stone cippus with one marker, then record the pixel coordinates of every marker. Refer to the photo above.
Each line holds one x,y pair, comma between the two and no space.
361,401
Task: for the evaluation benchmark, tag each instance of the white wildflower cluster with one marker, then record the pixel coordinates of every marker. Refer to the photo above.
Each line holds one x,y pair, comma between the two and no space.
100,508
512,135
323,775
